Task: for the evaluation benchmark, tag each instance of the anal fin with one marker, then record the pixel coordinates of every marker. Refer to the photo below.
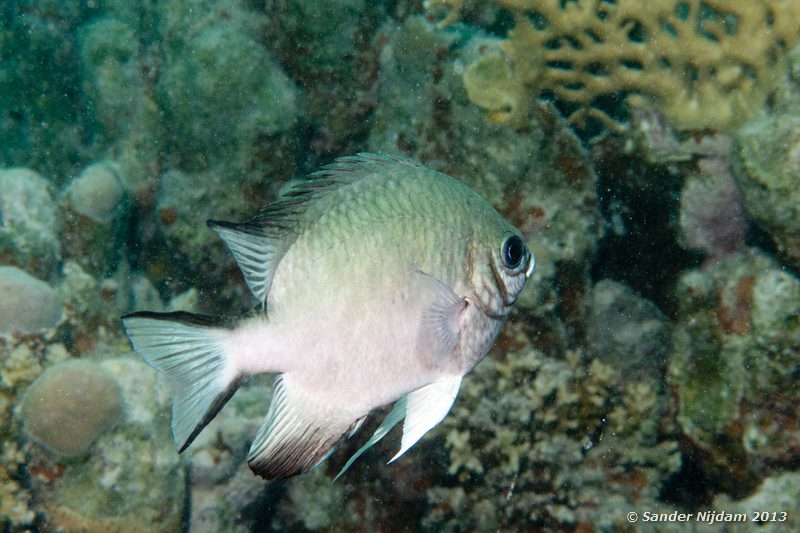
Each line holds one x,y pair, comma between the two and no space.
296,436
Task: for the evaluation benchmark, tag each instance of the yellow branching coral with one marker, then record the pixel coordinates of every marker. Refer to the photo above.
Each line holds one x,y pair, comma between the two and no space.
705,63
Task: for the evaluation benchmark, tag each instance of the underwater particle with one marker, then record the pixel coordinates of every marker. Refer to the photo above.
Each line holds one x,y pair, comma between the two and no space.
27,304
28,222
69,405
97,192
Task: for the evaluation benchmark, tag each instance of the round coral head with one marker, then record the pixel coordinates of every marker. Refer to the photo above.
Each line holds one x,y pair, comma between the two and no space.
69,405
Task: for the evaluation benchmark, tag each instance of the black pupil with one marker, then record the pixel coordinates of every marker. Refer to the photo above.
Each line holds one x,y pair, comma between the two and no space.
513,250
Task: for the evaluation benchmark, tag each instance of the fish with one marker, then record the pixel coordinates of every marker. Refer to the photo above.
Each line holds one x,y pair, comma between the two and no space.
377,279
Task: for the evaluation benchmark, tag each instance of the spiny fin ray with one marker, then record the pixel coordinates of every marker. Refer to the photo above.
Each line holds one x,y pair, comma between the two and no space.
395,415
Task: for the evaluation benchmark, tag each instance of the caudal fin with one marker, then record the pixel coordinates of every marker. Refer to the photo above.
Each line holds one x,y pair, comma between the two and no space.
190,350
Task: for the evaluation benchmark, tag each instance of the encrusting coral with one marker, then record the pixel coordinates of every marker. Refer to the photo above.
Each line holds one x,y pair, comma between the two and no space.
553,444
706,64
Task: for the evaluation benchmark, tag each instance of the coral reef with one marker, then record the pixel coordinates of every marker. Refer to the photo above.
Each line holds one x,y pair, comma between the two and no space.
21,361
329,52
97,192
775,492
27,304
69,405
712,217
181,224
220,89
533,439
15,501
95,218
90,306
768,175
707,64
133,479
29,222
117,71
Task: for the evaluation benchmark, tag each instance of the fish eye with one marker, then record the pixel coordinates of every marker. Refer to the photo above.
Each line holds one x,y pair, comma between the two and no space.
513,252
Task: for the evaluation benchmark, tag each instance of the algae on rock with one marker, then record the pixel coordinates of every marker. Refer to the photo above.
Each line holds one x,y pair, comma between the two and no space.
734,358
768,174
29,222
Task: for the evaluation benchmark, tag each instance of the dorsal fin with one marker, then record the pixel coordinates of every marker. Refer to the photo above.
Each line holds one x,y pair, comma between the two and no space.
256,253
259,244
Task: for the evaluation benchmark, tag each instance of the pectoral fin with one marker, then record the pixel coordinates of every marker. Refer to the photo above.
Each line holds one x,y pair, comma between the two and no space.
425,408
440,320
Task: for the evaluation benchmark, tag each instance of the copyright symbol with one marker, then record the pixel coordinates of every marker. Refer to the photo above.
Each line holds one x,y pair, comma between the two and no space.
632,517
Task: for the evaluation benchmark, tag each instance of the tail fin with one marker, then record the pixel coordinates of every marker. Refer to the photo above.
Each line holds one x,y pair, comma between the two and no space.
190,350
